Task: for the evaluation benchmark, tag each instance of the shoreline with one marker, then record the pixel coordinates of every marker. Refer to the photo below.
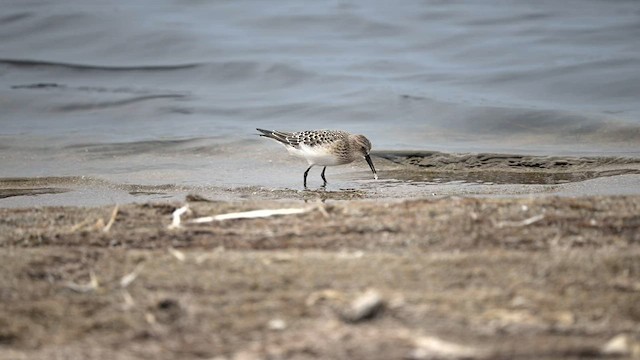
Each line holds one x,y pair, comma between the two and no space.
402,175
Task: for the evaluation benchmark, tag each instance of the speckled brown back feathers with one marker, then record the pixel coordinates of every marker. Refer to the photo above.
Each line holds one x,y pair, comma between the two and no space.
309,138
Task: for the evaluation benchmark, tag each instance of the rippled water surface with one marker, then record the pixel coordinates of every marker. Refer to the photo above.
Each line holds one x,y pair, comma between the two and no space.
155,92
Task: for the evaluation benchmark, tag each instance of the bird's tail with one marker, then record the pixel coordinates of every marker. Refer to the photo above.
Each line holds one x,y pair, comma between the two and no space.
279,136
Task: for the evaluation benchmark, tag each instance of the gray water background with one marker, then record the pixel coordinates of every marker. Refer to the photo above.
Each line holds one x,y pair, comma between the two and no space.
170,91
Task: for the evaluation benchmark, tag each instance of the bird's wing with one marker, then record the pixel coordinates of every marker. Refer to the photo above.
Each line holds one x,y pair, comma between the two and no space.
318,137
310,138
280,136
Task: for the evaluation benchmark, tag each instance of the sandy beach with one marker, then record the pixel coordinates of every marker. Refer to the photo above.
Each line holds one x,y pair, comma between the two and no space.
510,271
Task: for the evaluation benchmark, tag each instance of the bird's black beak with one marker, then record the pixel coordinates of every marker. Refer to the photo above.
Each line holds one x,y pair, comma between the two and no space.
368,158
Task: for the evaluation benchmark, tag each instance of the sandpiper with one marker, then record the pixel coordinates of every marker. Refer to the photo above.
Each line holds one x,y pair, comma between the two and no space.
324,148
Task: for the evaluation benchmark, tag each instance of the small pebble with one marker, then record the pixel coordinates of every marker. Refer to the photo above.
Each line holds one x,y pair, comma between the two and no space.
619,345
364,307
277,324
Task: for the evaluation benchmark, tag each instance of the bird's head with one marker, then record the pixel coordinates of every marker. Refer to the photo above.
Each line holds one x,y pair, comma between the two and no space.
363,146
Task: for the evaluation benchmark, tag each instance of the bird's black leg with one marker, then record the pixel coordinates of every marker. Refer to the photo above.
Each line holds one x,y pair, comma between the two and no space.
305,176
323,178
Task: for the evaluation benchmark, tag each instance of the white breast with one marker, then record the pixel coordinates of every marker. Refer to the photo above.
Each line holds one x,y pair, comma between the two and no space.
316,155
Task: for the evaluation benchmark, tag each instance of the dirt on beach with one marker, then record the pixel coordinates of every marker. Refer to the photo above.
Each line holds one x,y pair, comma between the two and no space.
343,276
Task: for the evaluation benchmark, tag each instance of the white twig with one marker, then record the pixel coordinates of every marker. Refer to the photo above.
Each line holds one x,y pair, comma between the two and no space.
91,286
112,219
525,222
429,347
250,214
175,222
177,254
128,300
130,277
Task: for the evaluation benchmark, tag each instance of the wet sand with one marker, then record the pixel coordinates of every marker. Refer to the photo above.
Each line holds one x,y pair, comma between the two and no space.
402,175
541,270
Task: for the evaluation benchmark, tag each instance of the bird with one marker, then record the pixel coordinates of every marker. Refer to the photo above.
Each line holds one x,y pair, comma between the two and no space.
323,148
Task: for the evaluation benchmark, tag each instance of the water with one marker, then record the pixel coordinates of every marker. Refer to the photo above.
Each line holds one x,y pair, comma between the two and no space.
170,92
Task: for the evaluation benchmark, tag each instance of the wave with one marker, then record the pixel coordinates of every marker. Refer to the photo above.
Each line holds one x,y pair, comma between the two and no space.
27,63
590,68
272,74
4,20
208,146
347,25
115,103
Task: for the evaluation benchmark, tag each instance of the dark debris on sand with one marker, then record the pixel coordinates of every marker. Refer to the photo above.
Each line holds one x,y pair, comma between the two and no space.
445,278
